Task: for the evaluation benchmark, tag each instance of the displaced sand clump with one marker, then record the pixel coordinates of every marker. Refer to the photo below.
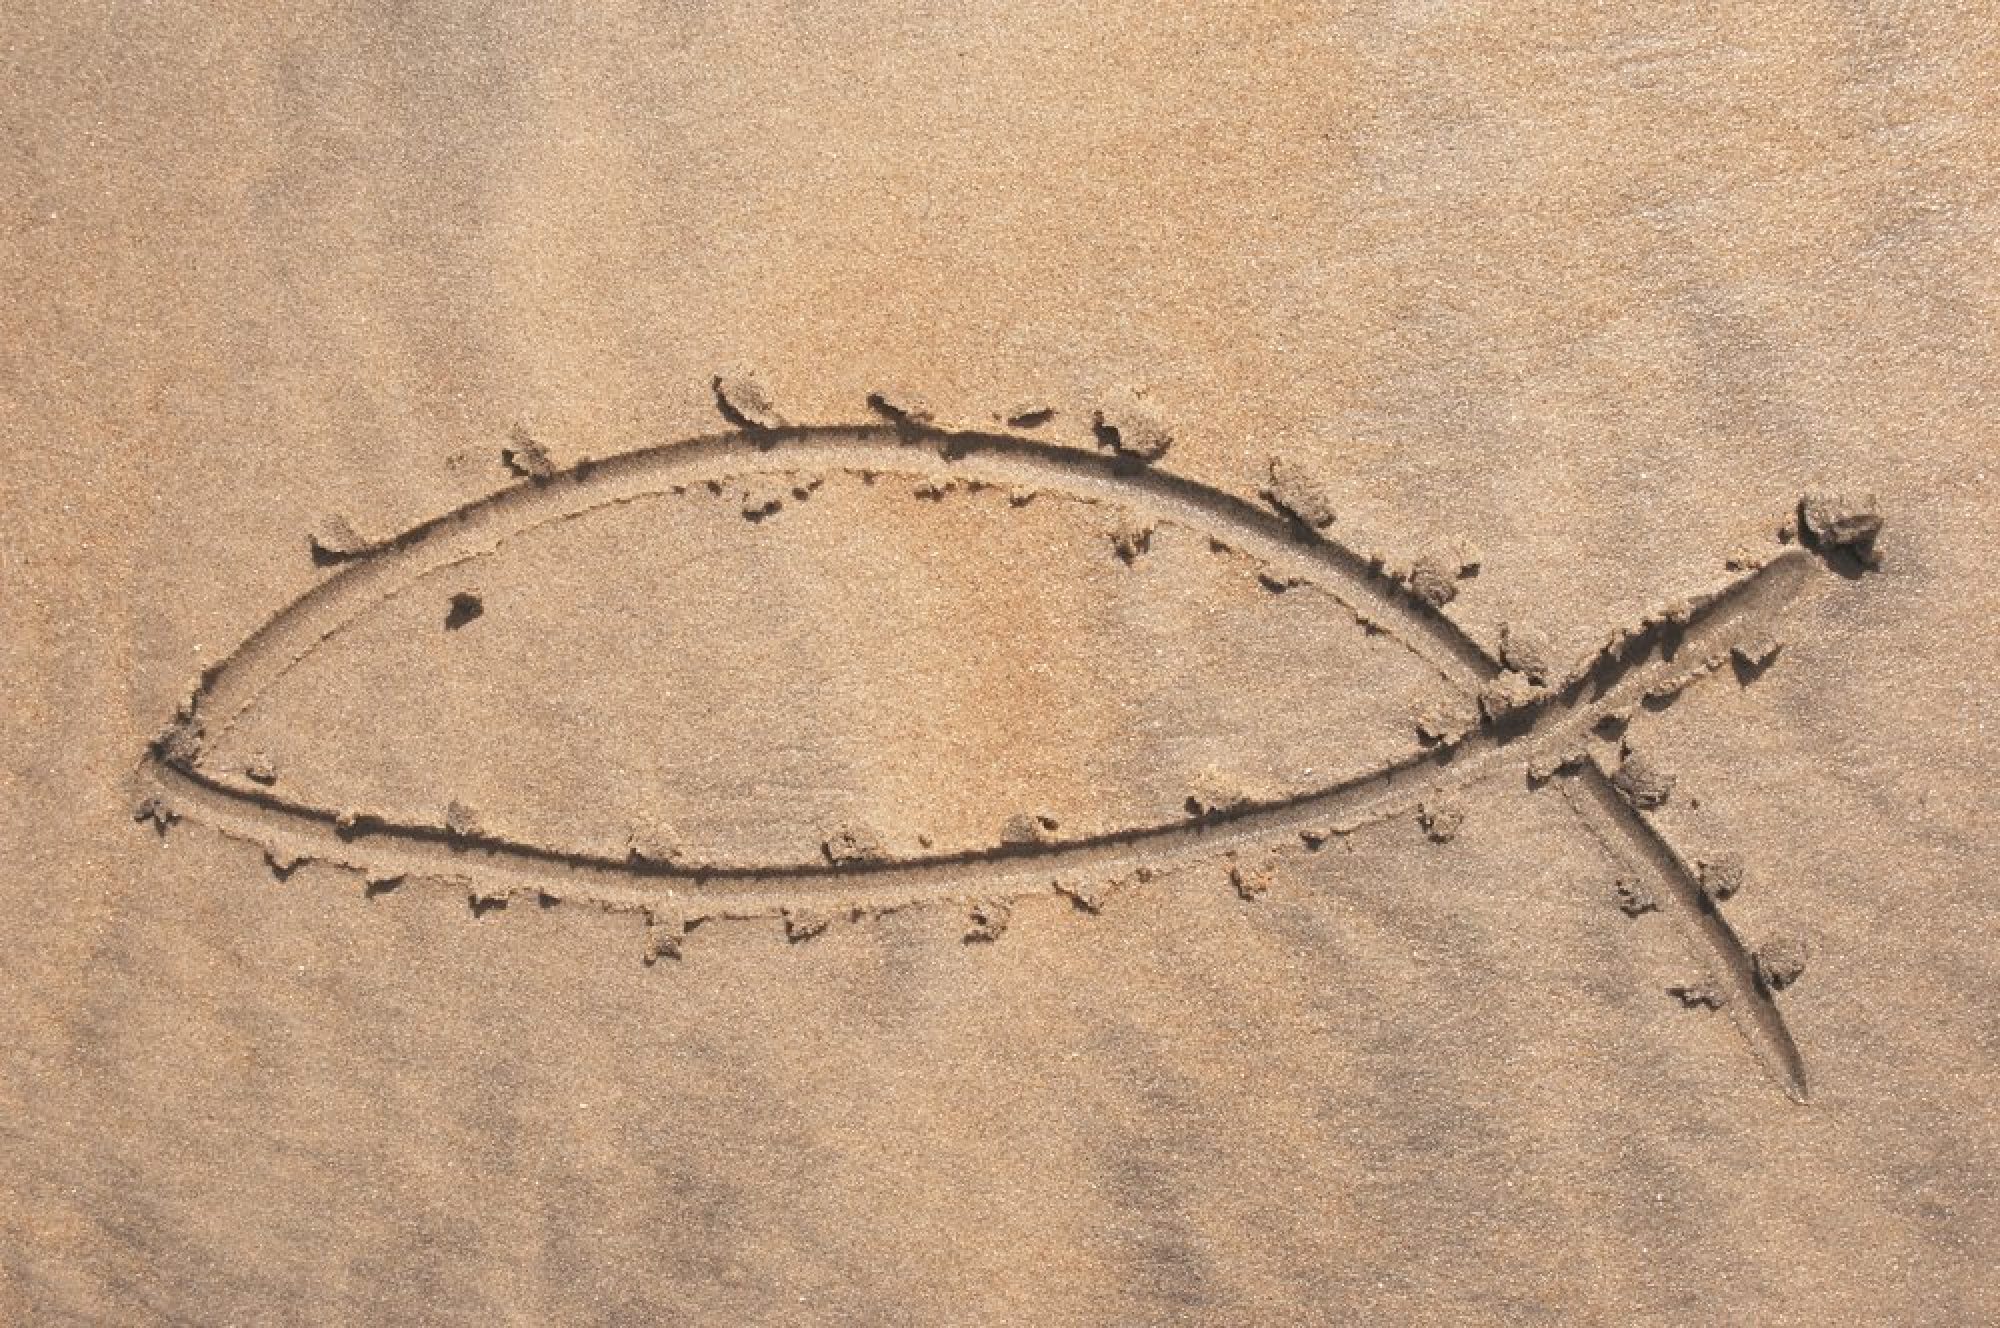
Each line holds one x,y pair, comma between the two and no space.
1642,783
484,898
1025,828
761,496
1699,994
1132,537
1250,883
1216,794
987,919
1431,579
1441,817
1434,576
903,409
462,823
1634,897
1720,876
803,923
1090,896
743,401
1437,723
1830,521
526,457
335,540
1508,693
1528,653
181,743
1298,494
1128,425
666,931
1752,655
848,844
1780,962
156,810
657,846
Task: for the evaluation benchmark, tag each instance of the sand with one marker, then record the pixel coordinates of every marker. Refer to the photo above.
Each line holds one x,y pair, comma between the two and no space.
1015,664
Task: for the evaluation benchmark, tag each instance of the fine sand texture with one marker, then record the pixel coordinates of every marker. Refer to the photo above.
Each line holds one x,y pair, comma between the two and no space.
1030,663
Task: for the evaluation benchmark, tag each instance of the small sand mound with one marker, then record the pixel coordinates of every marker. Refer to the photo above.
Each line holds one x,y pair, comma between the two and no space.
1298,494
335,540
1841,521
1129,426
526,457
1642,783
1780,962
743,402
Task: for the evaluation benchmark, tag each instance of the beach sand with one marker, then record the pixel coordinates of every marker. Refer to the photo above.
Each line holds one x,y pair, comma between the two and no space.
851,663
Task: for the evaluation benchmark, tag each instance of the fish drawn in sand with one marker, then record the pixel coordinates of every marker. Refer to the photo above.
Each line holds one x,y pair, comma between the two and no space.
1526,717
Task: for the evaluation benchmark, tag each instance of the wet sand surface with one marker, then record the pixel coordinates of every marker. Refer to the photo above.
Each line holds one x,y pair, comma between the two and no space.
896,880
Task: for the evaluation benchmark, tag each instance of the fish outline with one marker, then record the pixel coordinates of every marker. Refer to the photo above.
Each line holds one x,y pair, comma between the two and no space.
1548,738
